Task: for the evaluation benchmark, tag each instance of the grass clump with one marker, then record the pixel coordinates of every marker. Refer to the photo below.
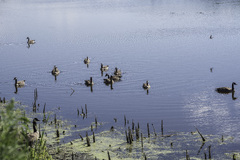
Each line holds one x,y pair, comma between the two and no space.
13,133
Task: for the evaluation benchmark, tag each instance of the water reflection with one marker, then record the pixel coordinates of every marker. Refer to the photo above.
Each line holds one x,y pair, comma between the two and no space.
207,109
147,91
55,77
233,97
109,84
16,89
91,87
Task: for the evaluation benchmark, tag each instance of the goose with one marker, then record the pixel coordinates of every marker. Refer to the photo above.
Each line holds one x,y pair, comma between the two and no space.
104,68
211,69
117,71
86,60
89,82
55,71
109,80
146,85
115,78
226,89
19,83
32,137
30,41
211,37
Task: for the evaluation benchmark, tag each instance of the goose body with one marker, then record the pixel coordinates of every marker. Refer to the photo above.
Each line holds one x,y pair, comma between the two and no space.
86,60
55,71
109,80
104,68
115,77
117,71
19,83
30,41
226,89
33,137
146,85
89,82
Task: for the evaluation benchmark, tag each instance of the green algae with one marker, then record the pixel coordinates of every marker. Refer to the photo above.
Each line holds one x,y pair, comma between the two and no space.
173,145
154,147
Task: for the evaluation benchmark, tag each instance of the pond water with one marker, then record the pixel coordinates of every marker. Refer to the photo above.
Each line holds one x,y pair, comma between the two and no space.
165,42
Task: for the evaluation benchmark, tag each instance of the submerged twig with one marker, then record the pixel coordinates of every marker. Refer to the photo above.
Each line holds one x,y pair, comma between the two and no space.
109,158
162,127
148,130
72,92
154,130
203,139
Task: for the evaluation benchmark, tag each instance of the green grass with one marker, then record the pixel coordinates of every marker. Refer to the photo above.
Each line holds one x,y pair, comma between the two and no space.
13,133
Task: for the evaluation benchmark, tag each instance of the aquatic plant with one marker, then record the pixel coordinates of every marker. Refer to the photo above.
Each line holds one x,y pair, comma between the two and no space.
13,133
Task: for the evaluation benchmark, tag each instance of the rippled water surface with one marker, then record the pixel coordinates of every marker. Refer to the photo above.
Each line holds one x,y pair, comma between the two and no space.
164,42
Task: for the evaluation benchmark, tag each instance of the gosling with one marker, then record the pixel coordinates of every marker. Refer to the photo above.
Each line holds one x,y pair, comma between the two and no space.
104,68
19,83
109,80
30,41
146,85
117,72
115,77
87,60
55,71
89,82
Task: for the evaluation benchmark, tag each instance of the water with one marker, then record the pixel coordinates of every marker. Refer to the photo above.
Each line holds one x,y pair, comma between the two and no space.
165,42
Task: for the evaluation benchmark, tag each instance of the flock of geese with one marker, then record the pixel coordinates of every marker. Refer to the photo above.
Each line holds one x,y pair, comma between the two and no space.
32,137
111,79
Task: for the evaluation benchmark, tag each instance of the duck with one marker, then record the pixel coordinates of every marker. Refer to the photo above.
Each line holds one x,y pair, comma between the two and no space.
19,83
55,71
104,68
89,82
86,60
33,137
226,89
117,71
30,41
115,77
109,80
146,85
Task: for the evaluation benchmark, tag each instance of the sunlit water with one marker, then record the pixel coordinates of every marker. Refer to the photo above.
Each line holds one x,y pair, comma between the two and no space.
164,42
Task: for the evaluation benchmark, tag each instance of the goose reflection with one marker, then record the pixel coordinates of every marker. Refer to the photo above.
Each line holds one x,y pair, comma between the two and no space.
16,89
147,90
55,77
233,97
91,88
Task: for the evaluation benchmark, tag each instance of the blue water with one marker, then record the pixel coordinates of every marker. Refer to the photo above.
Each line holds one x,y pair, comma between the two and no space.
164,42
